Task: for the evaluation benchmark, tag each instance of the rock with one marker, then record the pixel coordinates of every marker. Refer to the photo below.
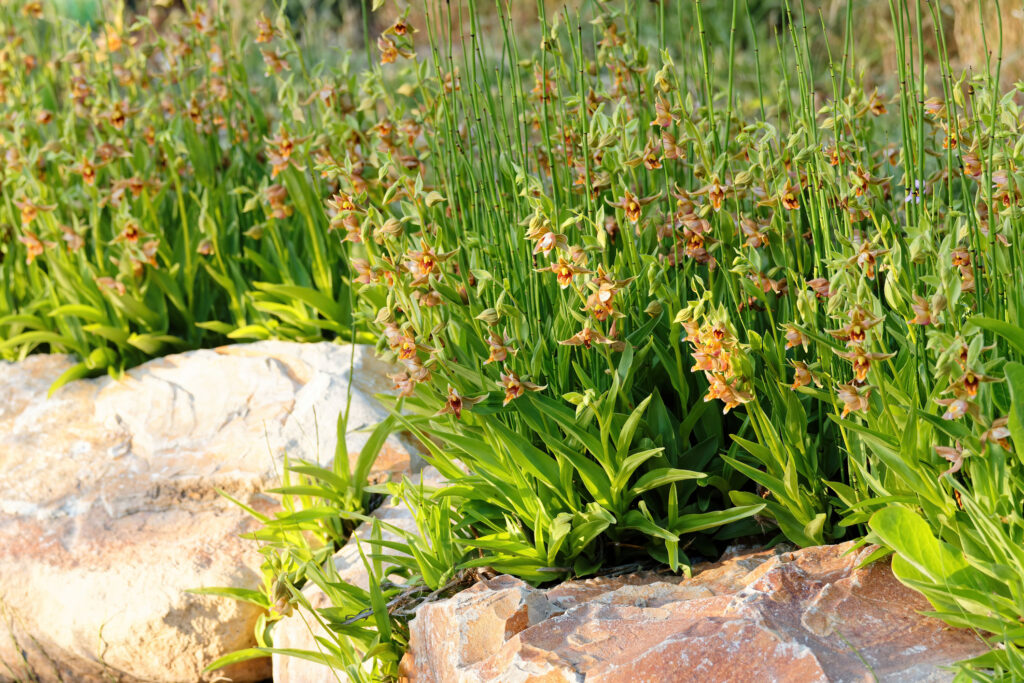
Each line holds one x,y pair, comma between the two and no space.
109,508
300,630
804,616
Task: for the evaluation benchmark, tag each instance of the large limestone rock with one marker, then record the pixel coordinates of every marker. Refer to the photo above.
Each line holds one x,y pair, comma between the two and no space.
805,616
300,630
109,508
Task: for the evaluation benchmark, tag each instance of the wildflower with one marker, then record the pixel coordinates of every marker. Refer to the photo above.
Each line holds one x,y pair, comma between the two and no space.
862,360
546,240
515,387
71,238
500,348
650,157
914,195
119,114
277,196
33,9
130,233
854,398
876,105
866,257
795,337
922,311
265,31
663,114
87,170
424,263
632,205
565,271
280,154
399,28
389,51
30,210
935,108
670,146
456,402
854,332
112,285
34,246
587,337
956,406
998,431
726,391
753,230
404,384
970,382
716,193
821,287
955,455
275,62
790,198
802,375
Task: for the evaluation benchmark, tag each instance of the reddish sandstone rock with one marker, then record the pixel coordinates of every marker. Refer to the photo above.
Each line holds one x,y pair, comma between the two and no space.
804,616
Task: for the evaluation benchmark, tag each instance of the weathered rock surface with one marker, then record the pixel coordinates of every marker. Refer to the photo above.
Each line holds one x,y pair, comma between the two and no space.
805,616
300,630
109,509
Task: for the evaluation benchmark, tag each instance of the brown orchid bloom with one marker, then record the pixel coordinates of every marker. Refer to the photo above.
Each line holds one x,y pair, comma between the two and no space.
130,233
790,197
663,113
754,232
866,257
922,311
565,271
854,398
545,240
119,114
726,391
958,405
404,384
955,455
389,51
87,170
999,432
515,387
632,206
855,331
795,337
821,287
876,105
71,238
455,403
265,31
671,147
424,263
30,210
111,285
716,193
277,197
500,346
587,337
34,246
651,159
280,154
275,62
969,383
862,360
803,375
